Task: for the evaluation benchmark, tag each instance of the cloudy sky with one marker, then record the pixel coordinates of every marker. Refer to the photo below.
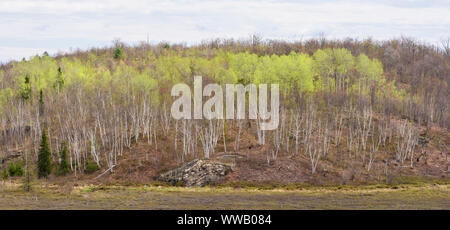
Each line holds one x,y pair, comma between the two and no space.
33,26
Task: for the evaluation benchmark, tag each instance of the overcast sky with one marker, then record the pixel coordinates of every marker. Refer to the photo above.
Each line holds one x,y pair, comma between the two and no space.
33,26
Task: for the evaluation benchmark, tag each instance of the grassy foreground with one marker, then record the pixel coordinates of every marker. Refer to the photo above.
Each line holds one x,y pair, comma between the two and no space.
50,196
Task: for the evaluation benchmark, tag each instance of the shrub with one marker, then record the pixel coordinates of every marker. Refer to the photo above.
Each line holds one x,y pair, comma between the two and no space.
12,169
15,169
19,170
91,167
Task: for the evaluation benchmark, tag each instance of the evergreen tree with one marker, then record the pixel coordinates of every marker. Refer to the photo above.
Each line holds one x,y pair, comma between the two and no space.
41,103
59,83
25,88
15,169
12,169
19,169
44,161
63,165
118,53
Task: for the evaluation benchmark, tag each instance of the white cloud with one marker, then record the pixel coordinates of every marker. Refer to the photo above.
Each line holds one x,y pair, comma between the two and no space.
195,20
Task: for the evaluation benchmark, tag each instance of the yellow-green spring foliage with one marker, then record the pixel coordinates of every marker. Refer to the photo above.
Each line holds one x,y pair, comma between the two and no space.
325,70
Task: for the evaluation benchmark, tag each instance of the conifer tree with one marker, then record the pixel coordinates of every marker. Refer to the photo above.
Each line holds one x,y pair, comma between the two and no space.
25,88
59,83
63,165
118,53
41,103
12,169
44,161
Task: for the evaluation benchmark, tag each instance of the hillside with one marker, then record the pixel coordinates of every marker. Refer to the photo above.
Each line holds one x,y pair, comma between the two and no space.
351,112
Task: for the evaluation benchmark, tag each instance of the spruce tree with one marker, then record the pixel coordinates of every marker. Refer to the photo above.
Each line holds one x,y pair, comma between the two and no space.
25,88
41,103
63,165
12,169
44,158
59,83
118,53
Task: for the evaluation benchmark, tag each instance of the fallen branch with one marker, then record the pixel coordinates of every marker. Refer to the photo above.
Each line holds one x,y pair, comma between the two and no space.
104,172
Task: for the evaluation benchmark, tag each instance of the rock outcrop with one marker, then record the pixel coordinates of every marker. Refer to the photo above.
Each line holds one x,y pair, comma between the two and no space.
196,173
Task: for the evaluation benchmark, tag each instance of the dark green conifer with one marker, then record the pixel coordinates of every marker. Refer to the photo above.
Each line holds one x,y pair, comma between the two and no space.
118,52
63,165
44,158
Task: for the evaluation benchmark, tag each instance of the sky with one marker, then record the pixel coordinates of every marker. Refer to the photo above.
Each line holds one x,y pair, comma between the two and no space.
30,27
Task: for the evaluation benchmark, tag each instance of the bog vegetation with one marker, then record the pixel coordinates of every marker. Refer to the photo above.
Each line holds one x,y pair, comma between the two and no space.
77,113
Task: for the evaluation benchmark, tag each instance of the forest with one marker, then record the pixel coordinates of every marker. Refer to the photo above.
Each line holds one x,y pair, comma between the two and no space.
350,110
